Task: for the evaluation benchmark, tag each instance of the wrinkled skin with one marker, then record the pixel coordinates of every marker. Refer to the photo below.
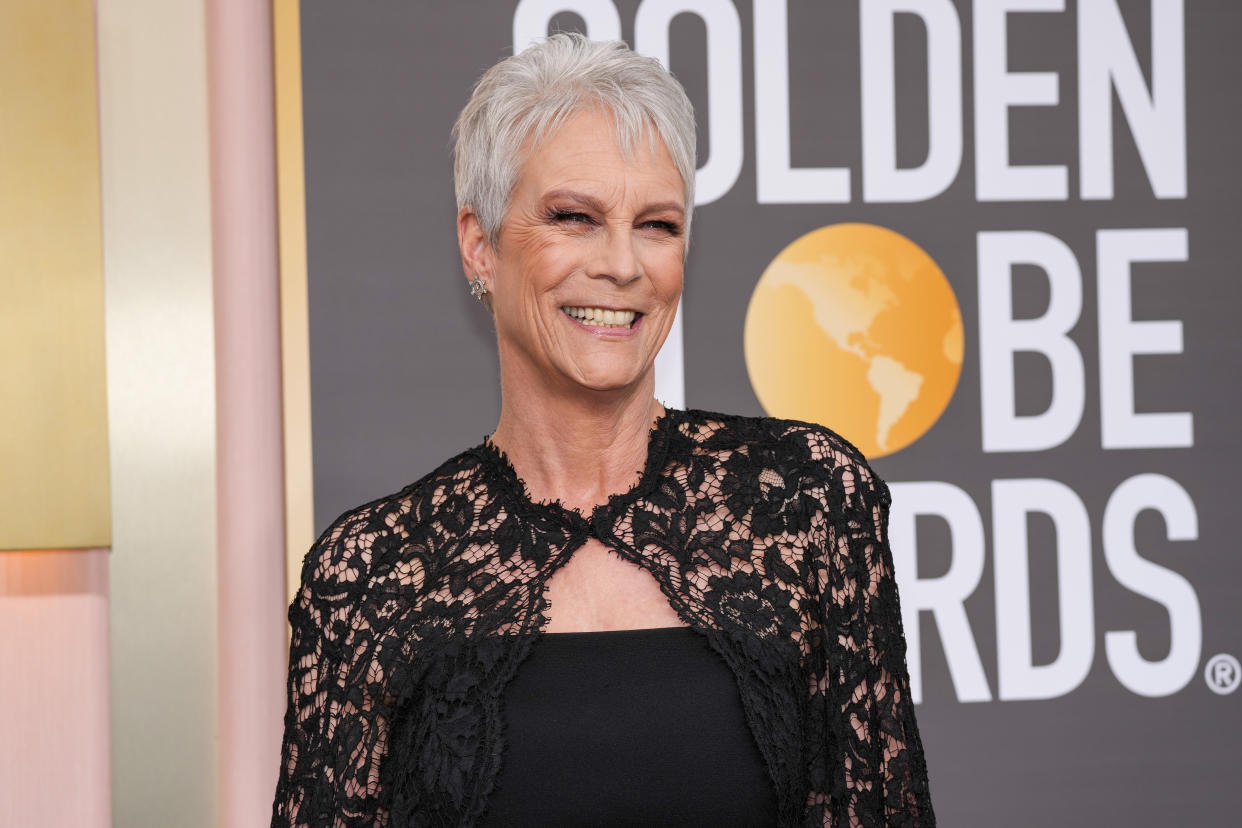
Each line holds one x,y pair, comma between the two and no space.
585,227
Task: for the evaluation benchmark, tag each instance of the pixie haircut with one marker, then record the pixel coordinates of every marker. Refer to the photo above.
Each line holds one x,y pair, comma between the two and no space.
523,99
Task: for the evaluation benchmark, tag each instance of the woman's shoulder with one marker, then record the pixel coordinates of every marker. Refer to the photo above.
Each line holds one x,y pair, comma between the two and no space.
789,442
346,550
797,469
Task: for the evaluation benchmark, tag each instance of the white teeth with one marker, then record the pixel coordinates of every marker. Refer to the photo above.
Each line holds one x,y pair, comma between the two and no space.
599,317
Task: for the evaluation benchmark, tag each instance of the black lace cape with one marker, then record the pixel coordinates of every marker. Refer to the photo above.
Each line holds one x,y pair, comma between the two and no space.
767,536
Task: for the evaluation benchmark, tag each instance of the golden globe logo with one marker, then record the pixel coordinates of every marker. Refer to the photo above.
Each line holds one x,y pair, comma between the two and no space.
855,327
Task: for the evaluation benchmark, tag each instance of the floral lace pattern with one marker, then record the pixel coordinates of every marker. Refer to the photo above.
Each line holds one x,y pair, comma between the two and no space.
767,536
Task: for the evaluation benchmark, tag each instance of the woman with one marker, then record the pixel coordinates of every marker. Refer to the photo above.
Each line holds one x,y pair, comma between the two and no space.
607,612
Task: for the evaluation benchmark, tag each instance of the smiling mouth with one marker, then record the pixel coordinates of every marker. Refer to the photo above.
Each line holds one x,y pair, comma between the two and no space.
601,317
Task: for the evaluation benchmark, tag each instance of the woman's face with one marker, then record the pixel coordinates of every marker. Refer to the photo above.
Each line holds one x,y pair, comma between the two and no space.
587,273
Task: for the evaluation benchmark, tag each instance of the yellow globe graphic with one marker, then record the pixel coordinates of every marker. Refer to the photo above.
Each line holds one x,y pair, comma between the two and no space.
853,326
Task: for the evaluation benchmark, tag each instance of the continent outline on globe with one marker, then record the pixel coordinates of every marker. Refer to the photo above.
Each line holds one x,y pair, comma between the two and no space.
856,327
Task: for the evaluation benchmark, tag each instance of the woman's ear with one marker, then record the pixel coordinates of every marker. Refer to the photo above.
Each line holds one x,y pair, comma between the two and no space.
476,250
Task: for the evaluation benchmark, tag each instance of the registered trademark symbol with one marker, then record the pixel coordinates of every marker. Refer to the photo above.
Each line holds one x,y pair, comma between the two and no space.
1223,674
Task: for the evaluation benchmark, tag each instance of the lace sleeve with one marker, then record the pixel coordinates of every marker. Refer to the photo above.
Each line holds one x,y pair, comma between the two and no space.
880,773
332,741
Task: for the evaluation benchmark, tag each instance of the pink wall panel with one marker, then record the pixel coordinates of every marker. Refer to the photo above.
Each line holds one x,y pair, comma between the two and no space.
54,699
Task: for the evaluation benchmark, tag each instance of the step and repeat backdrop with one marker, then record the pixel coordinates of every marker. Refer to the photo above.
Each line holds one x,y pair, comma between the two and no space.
1008,229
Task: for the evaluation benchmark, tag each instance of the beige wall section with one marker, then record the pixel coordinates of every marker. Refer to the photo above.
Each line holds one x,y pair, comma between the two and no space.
54,716
53,420
158,271
294,318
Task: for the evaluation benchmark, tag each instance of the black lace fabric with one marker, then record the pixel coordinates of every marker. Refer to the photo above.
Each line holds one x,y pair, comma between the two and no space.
767,536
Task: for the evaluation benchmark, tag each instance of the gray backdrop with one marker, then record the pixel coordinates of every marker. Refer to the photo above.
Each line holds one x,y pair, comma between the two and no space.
404,372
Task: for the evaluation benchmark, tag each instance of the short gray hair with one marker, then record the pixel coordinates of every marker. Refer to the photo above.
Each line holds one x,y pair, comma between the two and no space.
528,96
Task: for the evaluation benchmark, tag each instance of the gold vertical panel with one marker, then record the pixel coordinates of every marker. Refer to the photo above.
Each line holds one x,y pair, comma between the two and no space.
53,397
294,321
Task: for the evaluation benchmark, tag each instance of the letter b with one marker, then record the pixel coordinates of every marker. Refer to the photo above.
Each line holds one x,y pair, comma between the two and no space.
1001,336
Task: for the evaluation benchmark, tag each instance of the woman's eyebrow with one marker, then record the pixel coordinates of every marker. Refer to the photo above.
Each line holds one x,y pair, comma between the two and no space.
662,206
593,203
586,200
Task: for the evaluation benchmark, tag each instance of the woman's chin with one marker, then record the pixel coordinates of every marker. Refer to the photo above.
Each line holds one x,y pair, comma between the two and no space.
606,376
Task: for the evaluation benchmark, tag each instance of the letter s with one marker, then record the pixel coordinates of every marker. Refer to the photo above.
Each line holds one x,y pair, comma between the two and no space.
1164,586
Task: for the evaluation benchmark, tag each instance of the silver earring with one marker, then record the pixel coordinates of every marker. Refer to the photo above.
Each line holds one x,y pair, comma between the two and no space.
477,288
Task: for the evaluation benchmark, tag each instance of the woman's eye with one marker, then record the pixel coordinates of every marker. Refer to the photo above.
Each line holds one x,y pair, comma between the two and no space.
663,226
570,217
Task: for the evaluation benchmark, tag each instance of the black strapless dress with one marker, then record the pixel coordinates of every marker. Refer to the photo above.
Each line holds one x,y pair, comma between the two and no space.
628,727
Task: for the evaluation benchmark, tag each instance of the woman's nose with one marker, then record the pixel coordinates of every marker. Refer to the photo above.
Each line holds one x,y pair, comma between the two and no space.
616,257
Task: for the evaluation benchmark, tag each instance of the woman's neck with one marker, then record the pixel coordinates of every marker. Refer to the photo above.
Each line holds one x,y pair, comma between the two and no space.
577,448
